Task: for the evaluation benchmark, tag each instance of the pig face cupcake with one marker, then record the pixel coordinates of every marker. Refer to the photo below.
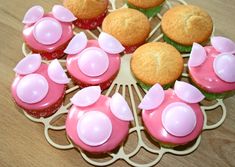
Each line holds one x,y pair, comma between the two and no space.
48,34
96,123
212,68
93,62
39,88
173,117
90,14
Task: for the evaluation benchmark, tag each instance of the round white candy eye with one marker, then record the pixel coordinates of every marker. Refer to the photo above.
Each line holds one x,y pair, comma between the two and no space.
32,88
179,119
94,128
47,31
93,61
224,67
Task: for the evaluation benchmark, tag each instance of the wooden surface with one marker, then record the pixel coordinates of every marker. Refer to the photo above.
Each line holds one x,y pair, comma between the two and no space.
22,142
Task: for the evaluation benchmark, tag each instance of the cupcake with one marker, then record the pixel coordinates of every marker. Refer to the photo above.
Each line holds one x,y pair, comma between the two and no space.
93,62
39,88
184,24
156,62
212,68
90,14
150,7
129,26
96,123
48,34
173,117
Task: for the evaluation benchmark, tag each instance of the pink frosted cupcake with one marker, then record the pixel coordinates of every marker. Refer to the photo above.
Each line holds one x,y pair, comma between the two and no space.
173,117
93,62
48,34
212,68
96,123
39,88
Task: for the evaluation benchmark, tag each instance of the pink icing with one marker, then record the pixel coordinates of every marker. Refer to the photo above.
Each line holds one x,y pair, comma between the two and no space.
75,71
119,128
30,40
56,91
205,77
153,121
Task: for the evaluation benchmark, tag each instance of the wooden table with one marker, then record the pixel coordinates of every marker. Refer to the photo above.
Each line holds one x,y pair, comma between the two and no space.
22,142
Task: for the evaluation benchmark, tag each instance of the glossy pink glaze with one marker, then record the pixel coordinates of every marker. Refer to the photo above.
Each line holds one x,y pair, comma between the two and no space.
153,121
205,77
119,128
67,34
75,72
55,93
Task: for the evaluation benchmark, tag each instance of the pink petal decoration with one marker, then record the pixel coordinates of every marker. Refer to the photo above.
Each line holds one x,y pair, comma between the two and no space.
32,88
222,44
77,44
33,15
197,55
188,92
93,61
120,108
94,128
224,67
56,73
179,119
153,98
87,96
110,44
63,14
29,64
47,31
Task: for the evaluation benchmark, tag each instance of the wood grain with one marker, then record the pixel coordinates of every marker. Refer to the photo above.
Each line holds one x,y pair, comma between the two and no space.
22,142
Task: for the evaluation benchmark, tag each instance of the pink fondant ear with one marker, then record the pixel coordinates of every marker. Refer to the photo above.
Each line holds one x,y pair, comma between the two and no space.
94,128
224,67
63,14
33,15
188,92
197,55
153,98
77,44
56,73
29,64
110,44
222,44
120,108
87,96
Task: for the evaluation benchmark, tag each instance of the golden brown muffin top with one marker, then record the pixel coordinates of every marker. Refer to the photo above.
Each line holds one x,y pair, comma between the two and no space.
129,26
145,4
186,24
86,9
157,62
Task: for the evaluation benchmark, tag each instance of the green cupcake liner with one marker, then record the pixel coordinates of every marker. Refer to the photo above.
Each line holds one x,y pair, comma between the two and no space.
151,12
